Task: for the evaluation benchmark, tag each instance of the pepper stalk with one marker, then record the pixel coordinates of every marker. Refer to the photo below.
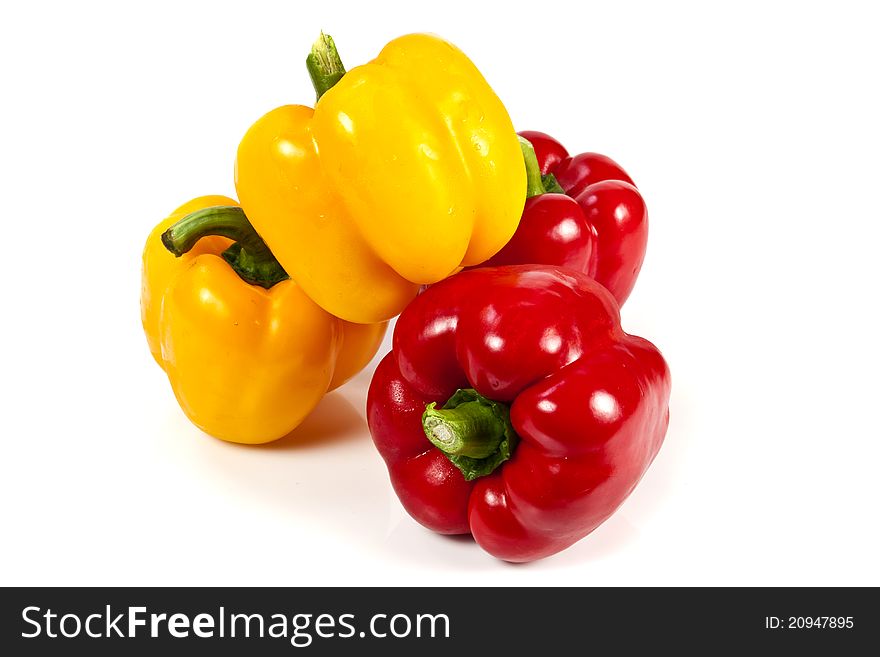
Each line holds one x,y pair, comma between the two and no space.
537,184
324,65
472,431
249,256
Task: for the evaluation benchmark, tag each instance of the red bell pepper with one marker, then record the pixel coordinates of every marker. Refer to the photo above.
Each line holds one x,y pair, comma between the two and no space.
582,212
514,407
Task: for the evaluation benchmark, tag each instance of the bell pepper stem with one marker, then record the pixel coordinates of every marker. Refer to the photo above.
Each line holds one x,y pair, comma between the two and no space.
249,256
226,221
324,65
471,429
551,185
534,183
473,432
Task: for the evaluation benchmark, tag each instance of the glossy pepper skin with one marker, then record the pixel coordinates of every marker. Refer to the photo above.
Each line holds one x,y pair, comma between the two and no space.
588,403
599,225
246,364
407,168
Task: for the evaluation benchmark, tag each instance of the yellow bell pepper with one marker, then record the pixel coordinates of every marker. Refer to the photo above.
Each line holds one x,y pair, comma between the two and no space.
247,362
407,169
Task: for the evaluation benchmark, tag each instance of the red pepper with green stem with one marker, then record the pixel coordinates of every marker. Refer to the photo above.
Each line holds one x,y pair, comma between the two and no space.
582,212
514,407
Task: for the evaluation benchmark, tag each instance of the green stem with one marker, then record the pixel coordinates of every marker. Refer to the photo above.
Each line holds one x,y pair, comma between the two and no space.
472,431
534,184
249,256
551,185
324,65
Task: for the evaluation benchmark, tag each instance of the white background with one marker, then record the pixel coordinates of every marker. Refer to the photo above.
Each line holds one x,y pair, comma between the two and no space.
753,134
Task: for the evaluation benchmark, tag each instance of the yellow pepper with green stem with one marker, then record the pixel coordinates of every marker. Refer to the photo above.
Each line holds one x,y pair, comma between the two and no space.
247,352
407,169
